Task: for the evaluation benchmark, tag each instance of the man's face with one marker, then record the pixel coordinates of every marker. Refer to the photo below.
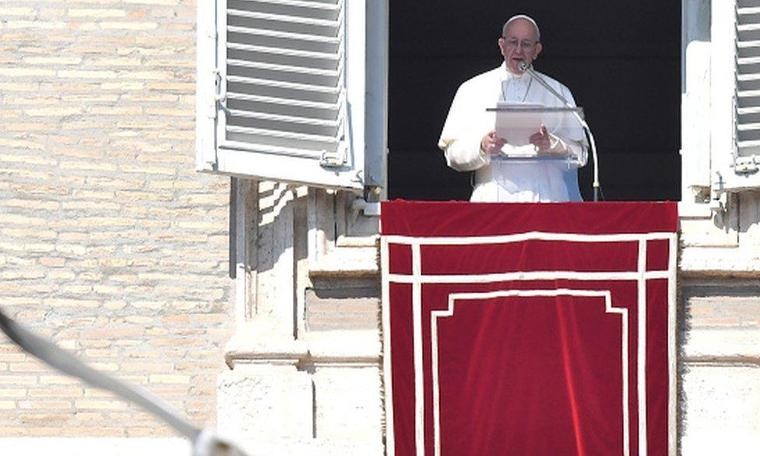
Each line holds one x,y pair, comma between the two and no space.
519,44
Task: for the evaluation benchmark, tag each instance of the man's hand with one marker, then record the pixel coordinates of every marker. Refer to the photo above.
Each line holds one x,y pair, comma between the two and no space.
492,144
541,140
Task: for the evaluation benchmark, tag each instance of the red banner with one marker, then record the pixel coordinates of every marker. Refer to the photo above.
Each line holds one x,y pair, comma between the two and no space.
529,329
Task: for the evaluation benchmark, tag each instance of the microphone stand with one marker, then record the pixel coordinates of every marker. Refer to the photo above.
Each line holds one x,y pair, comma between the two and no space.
529,69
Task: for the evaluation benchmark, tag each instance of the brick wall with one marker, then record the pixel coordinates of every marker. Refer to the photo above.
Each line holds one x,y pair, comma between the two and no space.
110,243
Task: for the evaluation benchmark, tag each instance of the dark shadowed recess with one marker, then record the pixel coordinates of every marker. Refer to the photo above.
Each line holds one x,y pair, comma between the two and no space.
620,59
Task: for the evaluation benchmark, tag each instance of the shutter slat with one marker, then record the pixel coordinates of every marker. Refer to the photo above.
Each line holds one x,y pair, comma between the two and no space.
748,93
325,7
285,68
280,92
329,5
285,76
318,143
308,60
321,142
748,60
283,90
288,119
277,73
284,35
284,60
283,18
312,143
289,124
285,24
748,27
282,101
280,150
281,51
747,90
285,85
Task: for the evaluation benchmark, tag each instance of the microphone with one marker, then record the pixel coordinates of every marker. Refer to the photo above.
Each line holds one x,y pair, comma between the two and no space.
527,67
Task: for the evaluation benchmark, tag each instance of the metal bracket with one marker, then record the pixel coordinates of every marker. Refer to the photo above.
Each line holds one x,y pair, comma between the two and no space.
367,208
746,165
220,90
719,204
333,160
718,195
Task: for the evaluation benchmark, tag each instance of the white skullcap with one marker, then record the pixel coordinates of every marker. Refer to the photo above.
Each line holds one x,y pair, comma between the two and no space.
523,17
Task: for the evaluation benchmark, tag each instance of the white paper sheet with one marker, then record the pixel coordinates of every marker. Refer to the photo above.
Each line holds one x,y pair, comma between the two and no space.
517,122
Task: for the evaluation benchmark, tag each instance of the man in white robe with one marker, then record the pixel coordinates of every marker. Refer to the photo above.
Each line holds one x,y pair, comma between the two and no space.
469,139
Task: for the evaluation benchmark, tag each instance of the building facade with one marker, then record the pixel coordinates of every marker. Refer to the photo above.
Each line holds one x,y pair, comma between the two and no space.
719,264
110,242
252,302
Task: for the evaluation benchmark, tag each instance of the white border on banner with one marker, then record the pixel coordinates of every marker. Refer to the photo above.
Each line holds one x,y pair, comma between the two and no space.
608,308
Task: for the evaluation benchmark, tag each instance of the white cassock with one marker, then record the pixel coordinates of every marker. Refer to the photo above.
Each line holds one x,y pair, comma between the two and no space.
499,179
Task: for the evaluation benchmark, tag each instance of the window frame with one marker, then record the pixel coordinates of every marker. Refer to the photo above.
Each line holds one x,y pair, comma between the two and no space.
365,46
725,156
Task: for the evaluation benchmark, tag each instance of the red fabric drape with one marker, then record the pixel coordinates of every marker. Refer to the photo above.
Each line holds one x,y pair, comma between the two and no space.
529,329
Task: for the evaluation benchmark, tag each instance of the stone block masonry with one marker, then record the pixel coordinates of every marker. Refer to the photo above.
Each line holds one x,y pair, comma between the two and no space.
110,243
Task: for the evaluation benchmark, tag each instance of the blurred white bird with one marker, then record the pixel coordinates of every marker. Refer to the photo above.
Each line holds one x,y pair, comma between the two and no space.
205,442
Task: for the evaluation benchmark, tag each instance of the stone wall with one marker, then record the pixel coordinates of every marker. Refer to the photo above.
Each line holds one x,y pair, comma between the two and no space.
110,243
720,365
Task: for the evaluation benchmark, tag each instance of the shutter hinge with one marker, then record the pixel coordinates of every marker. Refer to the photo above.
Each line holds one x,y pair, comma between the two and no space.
335,159
220,93
746,165
328,160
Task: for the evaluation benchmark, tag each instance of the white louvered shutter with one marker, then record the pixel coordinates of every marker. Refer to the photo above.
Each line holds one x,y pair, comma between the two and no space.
281,99
745,163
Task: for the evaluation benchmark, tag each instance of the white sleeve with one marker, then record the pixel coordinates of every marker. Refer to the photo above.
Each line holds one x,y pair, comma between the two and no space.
460,138
464,154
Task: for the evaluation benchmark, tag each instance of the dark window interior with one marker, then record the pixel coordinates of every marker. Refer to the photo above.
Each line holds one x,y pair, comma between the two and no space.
620,59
